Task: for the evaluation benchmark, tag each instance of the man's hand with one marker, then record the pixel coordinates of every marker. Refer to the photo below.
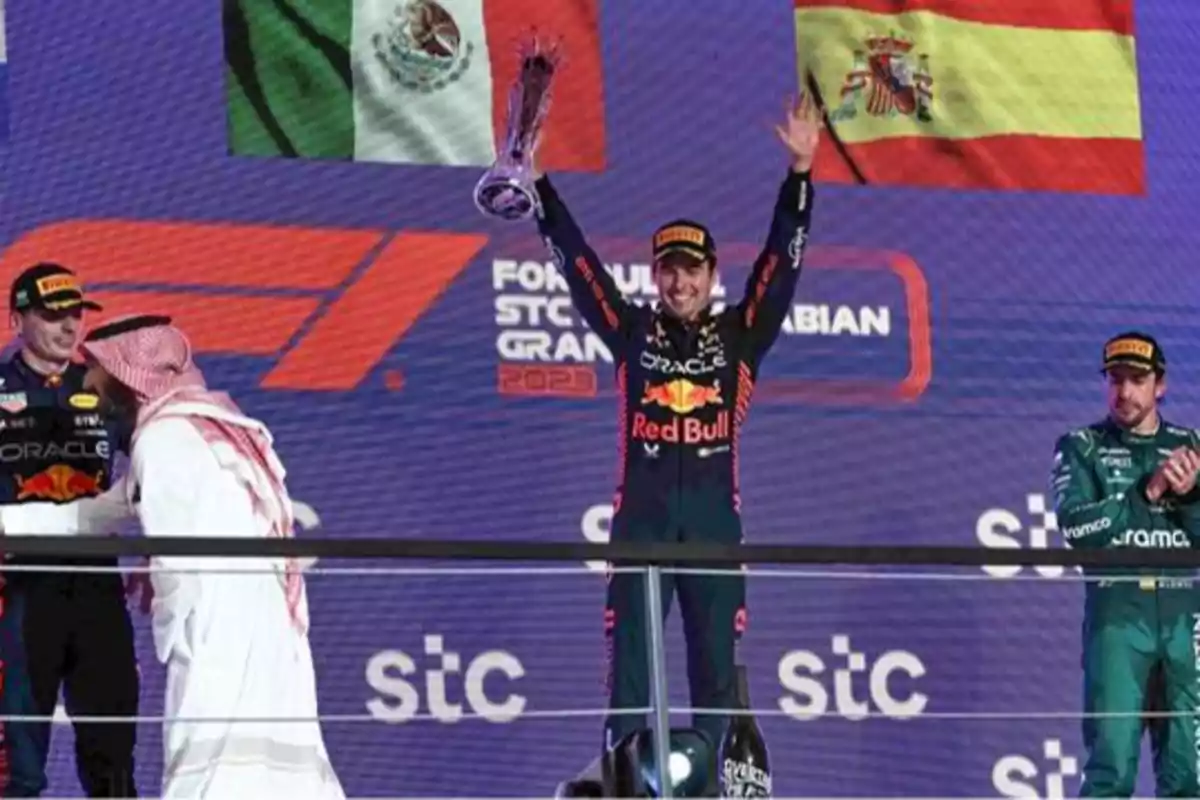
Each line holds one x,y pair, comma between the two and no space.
1181,469
1177,474
306,517
801,132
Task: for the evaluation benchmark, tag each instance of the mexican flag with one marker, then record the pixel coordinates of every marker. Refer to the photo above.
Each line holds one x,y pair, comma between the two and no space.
406,81
977,94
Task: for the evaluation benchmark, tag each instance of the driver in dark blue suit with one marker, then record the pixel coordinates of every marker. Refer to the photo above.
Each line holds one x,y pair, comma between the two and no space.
685,374
68,630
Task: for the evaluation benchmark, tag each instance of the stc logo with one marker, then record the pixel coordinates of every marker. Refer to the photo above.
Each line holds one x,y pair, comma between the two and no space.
596,527
811,682
1019,776
1003,530
395,676
890,679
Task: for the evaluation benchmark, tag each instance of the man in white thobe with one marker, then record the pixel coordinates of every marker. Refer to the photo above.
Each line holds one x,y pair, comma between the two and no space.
232,632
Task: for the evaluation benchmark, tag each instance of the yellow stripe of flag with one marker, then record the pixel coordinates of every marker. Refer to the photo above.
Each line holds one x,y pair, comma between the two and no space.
987,79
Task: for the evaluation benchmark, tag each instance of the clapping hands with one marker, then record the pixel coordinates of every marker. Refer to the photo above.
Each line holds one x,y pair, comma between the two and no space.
1177,474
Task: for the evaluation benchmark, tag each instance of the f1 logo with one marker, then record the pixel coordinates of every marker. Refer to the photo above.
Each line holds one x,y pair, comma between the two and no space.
327,303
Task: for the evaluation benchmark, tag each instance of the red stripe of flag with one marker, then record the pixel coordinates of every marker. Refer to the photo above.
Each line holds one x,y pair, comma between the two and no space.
1115,16
573,138
1020,162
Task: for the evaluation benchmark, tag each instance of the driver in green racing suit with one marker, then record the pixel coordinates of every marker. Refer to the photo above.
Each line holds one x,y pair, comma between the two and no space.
1130,481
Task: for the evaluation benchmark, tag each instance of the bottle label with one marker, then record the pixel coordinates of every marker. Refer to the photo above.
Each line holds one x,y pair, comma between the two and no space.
739,779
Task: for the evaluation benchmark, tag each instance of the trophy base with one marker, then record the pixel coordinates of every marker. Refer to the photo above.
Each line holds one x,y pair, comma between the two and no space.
505,198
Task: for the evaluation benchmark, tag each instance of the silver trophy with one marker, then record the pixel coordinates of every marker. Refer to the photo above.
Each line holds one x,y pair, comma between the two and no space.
506,190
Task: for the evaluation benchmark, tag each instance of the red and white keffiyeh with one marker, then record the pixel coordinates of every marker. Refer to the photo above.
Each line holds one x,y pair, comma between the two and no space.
155,362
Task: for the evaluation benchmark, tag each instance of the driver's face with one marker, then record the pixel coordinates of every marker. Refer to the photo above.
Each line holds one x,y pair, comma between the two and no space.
685,286
50,335
1133,394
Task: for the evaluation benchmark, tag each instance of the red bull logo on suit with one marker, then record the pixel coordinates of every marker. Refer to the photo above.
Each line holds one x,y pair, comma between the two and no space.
682,396
58,483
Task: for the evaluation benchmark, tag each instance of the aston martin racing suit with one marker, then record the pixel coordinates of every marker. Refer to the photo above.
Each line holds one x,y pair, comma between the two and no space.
1136,630
68,629
684,391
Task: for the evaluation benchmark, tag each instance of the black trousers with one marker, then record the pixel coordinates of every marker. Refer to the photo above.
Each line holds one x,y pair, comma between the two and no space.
713,608
68,630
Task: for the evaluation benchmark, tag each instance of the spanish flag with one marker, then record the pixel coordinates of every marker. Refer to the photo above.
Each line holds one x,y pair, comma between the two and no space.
976,94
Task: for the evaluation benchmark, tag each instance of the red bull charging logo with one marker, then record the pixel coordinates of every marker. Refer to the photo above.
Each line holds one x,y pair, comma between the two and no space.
681,395
59,483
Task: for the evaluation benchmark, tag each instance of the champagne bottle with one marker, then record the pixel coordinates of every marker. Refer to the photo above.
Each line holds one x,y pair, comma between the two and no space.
743,758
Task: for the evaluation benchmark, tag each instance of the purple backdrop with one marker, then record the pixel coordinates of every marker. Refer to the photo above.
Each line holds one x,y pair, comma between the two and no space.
117,111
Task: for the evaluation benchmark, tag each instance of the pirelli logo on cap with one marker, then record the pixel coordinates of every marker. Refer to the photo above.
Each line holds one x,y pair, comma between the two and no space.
679,234
1123,348
57,283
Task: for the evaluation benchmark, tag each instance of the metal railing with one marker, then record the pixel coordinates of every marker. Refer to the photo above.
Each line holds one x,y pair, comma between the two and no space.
628,553
652,557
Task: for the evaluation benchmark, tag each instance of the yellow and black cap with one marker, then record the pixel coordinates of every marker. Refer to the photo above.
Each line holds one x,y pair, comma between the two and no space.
1134,349
684,239
48,287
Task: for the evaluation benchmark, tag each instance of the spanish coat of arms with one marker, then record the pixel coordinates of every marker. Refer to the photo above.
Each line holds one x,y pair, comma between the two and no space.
885,81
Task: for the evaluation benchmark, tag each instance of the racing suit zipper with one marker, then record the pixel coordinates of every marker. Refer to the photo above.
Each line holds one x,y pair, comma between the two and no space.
679,484
684,345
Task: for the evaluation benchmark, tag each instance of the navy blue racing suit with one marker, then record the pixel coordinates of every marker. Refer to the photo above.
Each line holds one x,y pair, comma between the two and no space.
62,628
684,391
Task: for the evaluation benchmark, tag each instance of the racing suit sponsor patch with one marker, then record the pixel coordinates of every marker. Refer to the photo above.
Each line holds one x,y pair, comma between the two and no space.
1088,528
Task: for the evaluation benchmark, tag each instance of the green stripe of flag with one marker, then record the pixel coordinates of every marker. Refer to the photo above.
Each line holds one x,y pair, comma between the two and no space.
289,80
